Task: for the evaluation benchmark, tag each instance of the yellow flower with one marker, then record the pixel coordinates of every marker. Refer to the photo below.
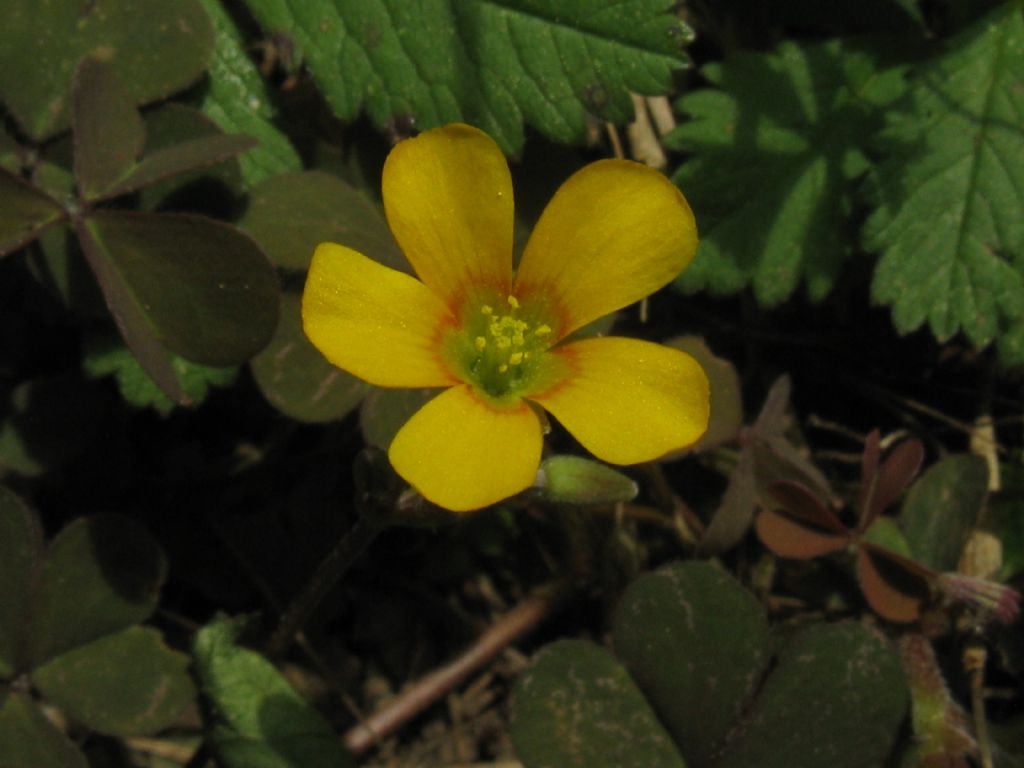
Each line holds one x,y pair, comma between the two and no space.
614,232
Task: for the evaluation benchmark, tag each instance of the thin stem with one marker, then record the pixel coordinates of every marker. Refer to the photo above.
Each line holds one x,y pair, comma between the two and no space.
427,690
327,575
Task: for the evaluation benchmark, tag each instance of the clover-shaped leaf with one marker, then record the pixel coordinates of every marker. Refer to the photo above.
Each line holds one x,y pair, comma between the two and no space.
158,47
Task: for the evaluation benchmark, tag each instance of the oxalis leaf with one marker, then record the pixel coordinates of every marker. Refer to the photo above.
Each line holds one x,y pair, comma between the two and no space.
950,194
494,63
776,145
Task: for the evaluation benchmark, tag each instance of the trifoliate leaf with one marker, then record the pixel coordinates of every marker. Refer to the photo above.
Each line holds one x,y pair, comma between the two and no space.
493,63
124,684
156,47
28,738
950,194
776,146
237,101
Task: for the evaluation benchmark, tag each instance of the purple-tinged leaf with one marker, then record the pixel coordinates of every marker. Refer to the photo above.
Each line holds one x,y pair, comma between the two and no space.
788,537
180,158
203,288
800,503
882,486
736,511
130,315
895,587
107,129
24,212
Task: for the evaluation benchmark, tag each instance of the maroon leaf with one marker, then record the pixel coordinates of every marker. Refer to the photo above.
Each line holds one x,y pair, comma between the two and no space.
181,158
200,287
881,485
130,316
800,503
788,537
25,212
894,586
107,129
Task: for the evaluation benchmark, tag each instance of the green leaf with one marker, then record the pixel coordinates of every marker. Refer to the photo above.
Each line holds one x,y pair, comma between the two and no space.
21,551
777,145
291,214
108,132
577,707
238,101
126,684
157,48
101,575
494,63
295,377
199,288
949,196
262,721
29,740
835,699
25,212
108,356
697,645
942,508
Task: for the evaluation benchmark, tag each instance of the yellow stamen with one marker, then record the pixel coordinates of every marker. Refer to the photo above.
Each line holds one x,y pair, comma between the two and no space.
515,358
487,309
542,330
513,302
503,368
480,342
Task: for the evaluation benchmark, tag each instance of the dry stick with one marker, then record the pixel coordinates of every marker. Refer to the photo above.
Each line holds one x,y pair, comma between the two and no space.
327,575
974,664
424,692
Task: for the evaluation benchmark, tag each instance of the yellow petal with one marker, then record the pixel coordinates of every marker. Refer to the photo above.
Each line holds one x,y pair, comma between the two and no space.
629,401
464,454
374,322
448,200
615,232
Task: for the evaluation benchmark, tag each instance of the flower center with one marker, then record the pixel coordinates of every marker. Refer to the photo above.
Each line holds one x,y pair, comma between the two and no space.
499,347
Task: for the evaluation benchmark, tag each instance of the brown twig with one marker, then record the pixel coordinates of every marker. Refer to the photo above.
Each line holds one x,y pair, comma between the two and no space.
427,690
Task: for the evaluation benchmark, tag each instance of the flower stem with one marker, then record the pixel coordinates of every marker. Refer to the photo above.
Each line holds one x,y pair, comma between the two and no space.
328,573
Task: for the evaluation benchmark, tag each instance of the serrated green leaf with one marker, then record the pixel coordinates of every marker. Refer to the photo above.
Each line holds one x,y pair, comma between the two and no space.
29,740
577,707
183,284
126,684
101,575
24,213
697,645
948,222
21,550
156,47
493,63
291,214
941,509
835,699
237,100
262,721
776,146
107,356
295,377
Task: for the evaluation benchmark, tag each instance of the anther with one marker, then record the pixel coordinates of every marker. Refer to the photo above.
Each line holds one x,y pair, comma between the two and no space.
487,309
480,342
542,330
513,302
515,358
